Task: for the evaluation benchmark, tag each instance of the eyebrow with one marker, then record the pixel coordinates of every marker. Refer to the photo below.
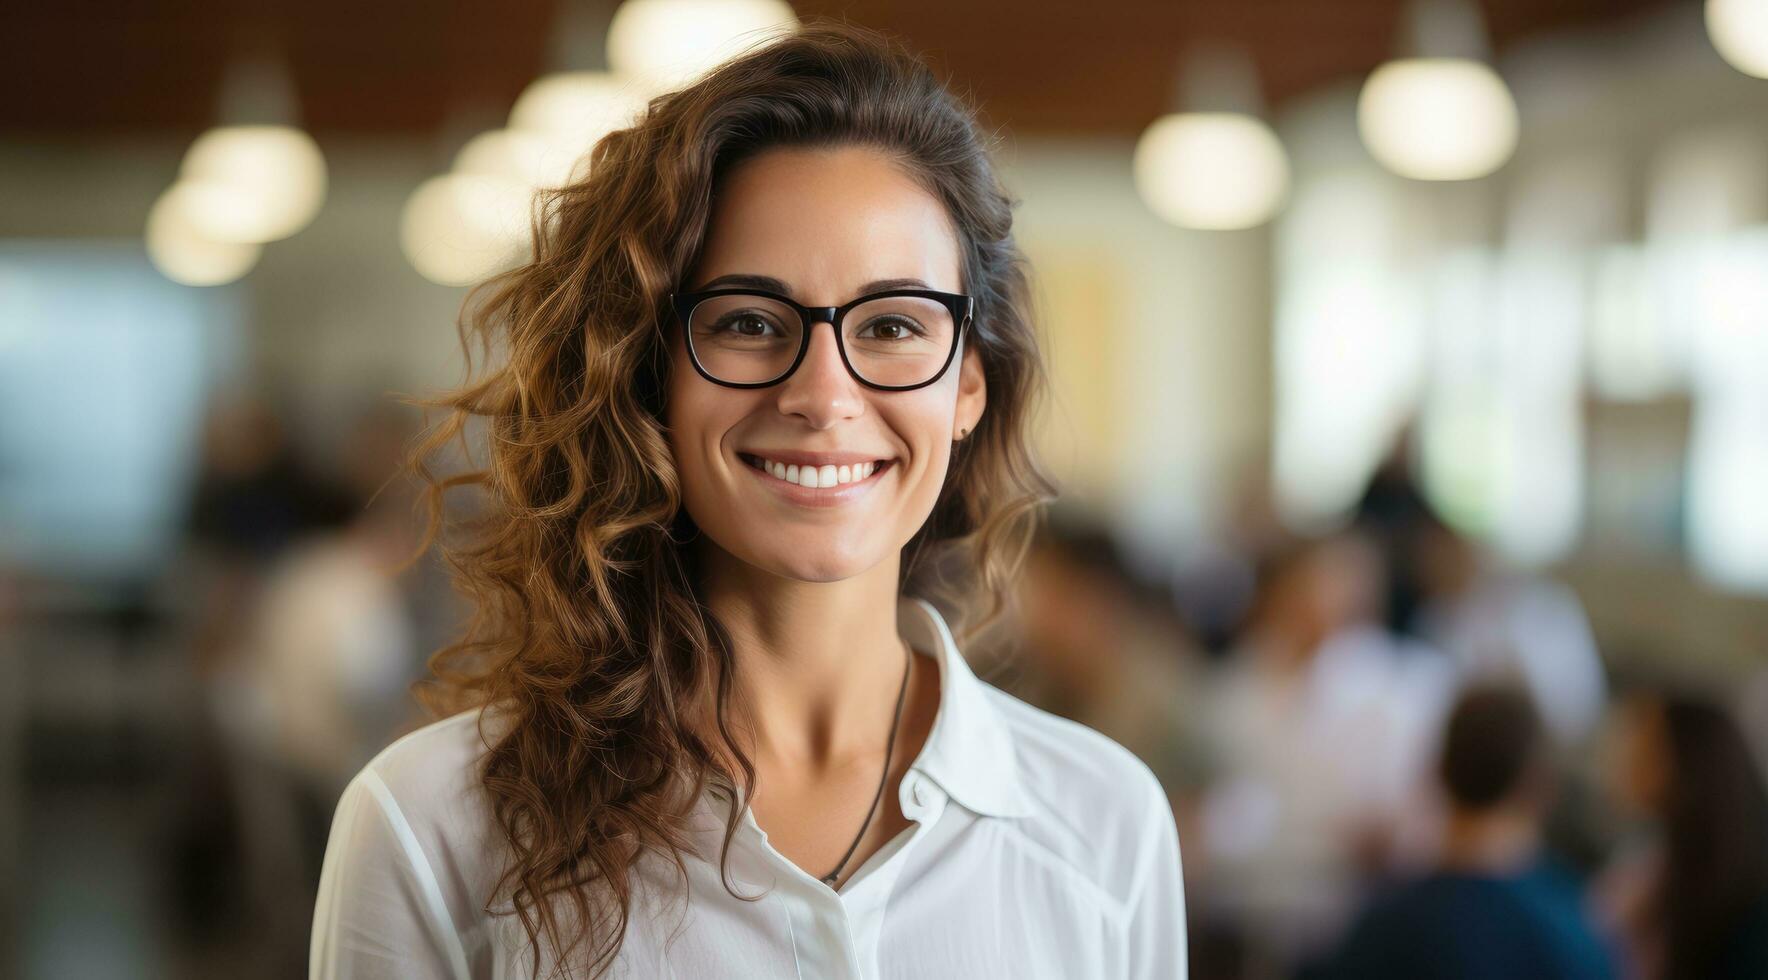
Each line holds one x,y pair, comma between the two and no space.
772,285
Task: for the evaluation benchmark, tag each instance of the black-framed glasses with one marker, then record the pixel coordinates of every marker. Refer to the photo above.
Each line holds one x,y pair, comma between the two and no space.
895,340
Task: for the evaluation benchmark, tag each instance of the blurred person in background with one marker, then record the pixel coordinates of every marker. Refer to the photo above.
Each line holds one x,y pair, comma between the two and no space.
319,681
1451,592
318,678
699,639
255,496
1216,580
1392,511
254,493
1690,891
1496,621
1495,906
1320,726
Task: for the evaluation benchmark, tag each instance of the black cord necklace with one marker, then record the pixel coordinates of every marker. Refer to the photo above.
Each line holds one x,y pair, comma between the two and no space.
884,777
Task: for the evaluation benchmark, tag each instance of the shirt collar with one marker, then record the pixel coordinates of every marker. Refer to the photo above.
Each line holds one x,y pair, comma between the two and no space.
970,751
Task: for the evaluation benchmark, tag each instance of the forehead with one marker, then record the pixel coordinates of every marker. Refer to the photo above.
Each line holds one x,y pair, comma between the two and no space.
826,222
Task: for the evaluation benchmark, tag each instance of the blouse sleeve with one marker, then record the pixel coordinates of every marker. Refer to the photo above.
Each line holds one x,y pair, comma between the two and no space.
380,911
1157,910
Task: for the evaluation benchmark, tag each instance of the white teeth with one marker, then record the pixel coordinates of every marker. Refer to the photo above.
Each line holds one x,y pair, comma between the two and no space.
816,477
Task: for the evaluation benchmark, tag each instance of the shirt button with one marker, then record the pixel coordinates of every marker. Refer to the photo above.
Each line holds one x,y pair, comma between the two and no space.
918,794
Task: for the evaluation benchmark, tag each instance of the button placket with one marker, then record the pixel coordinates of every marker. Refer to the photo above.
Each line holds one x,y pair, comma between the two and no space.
871,894
822,931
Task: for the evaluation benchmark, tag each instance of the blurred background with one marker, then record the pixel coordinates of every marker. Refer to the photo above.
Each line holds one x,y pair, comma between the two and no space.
1409,411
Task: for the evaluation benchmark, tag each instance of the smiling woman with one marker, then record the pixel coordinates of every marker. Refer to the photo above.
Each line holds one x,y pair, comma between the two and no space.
709,719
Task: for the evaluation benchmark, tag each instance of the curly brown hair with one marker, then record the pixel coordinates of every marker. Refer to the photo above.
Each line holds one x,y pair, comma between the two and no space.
586,636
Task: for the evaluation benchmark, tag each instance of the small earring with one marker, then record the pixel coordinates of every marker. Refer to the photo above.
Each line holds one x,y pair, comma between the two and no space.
963,432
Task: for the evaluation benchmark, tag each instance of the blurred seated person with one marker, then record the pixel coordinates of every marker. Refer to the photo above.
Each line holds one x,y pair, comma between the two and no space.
1320,725
1495,620
1495,906
320,679
1690,897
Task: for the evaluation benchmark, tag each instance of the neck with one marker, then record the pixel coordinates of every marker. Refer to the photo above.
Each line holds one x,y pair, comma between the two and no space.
1500,841
818,664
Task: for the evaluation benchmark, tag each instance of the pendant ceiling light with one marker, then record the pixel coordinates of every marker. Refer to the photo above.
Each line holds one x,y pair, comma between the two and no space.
1215,165
457,229
1739,30
566,114
183,253
255,178
1442,113
668,43
475,220
266,180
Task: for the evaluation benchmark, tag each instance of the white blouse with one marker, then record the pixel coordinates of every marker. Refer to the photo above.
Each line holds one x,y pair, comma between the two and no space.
1038,848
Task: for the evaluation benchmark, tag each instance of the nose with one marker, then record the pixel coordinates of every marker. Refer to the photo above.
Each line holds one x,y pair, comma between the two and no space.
821,391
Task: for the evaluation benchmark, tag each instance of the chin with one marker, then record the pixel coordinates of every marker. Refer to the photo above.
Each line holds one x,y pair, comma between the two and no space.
820,563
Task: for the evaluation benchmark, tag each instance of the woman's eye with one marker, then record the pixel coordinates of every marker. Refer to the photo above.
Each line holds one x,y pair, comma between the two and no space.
747,325
895,328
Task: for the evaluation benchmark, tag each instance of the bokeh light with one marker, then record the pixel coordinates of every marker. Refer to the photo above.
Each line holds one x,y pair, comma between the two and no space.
1213,170
567,113
1438,118
269,180
460,228
667,43
182,251
1739,30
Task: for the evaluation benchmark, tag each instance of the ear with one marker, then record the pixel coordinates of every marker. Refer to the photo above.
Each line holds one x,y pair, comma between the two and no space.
972,395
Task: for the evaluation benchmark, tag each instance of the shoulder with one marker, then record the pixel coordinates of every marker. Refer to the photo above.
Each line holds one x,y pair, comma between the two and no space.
1419,904
439,758
1064,765
431,776
412,861
421,796
1095,805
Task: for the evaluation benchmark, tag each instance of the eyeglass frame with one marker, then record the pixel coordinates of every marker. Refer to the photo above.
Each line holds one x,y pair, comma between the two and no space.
962,307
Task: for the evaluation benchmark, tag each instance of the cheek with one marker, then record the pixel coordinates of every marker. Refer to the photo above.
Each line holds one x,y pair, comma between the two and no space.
926,428
696,416
692,406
